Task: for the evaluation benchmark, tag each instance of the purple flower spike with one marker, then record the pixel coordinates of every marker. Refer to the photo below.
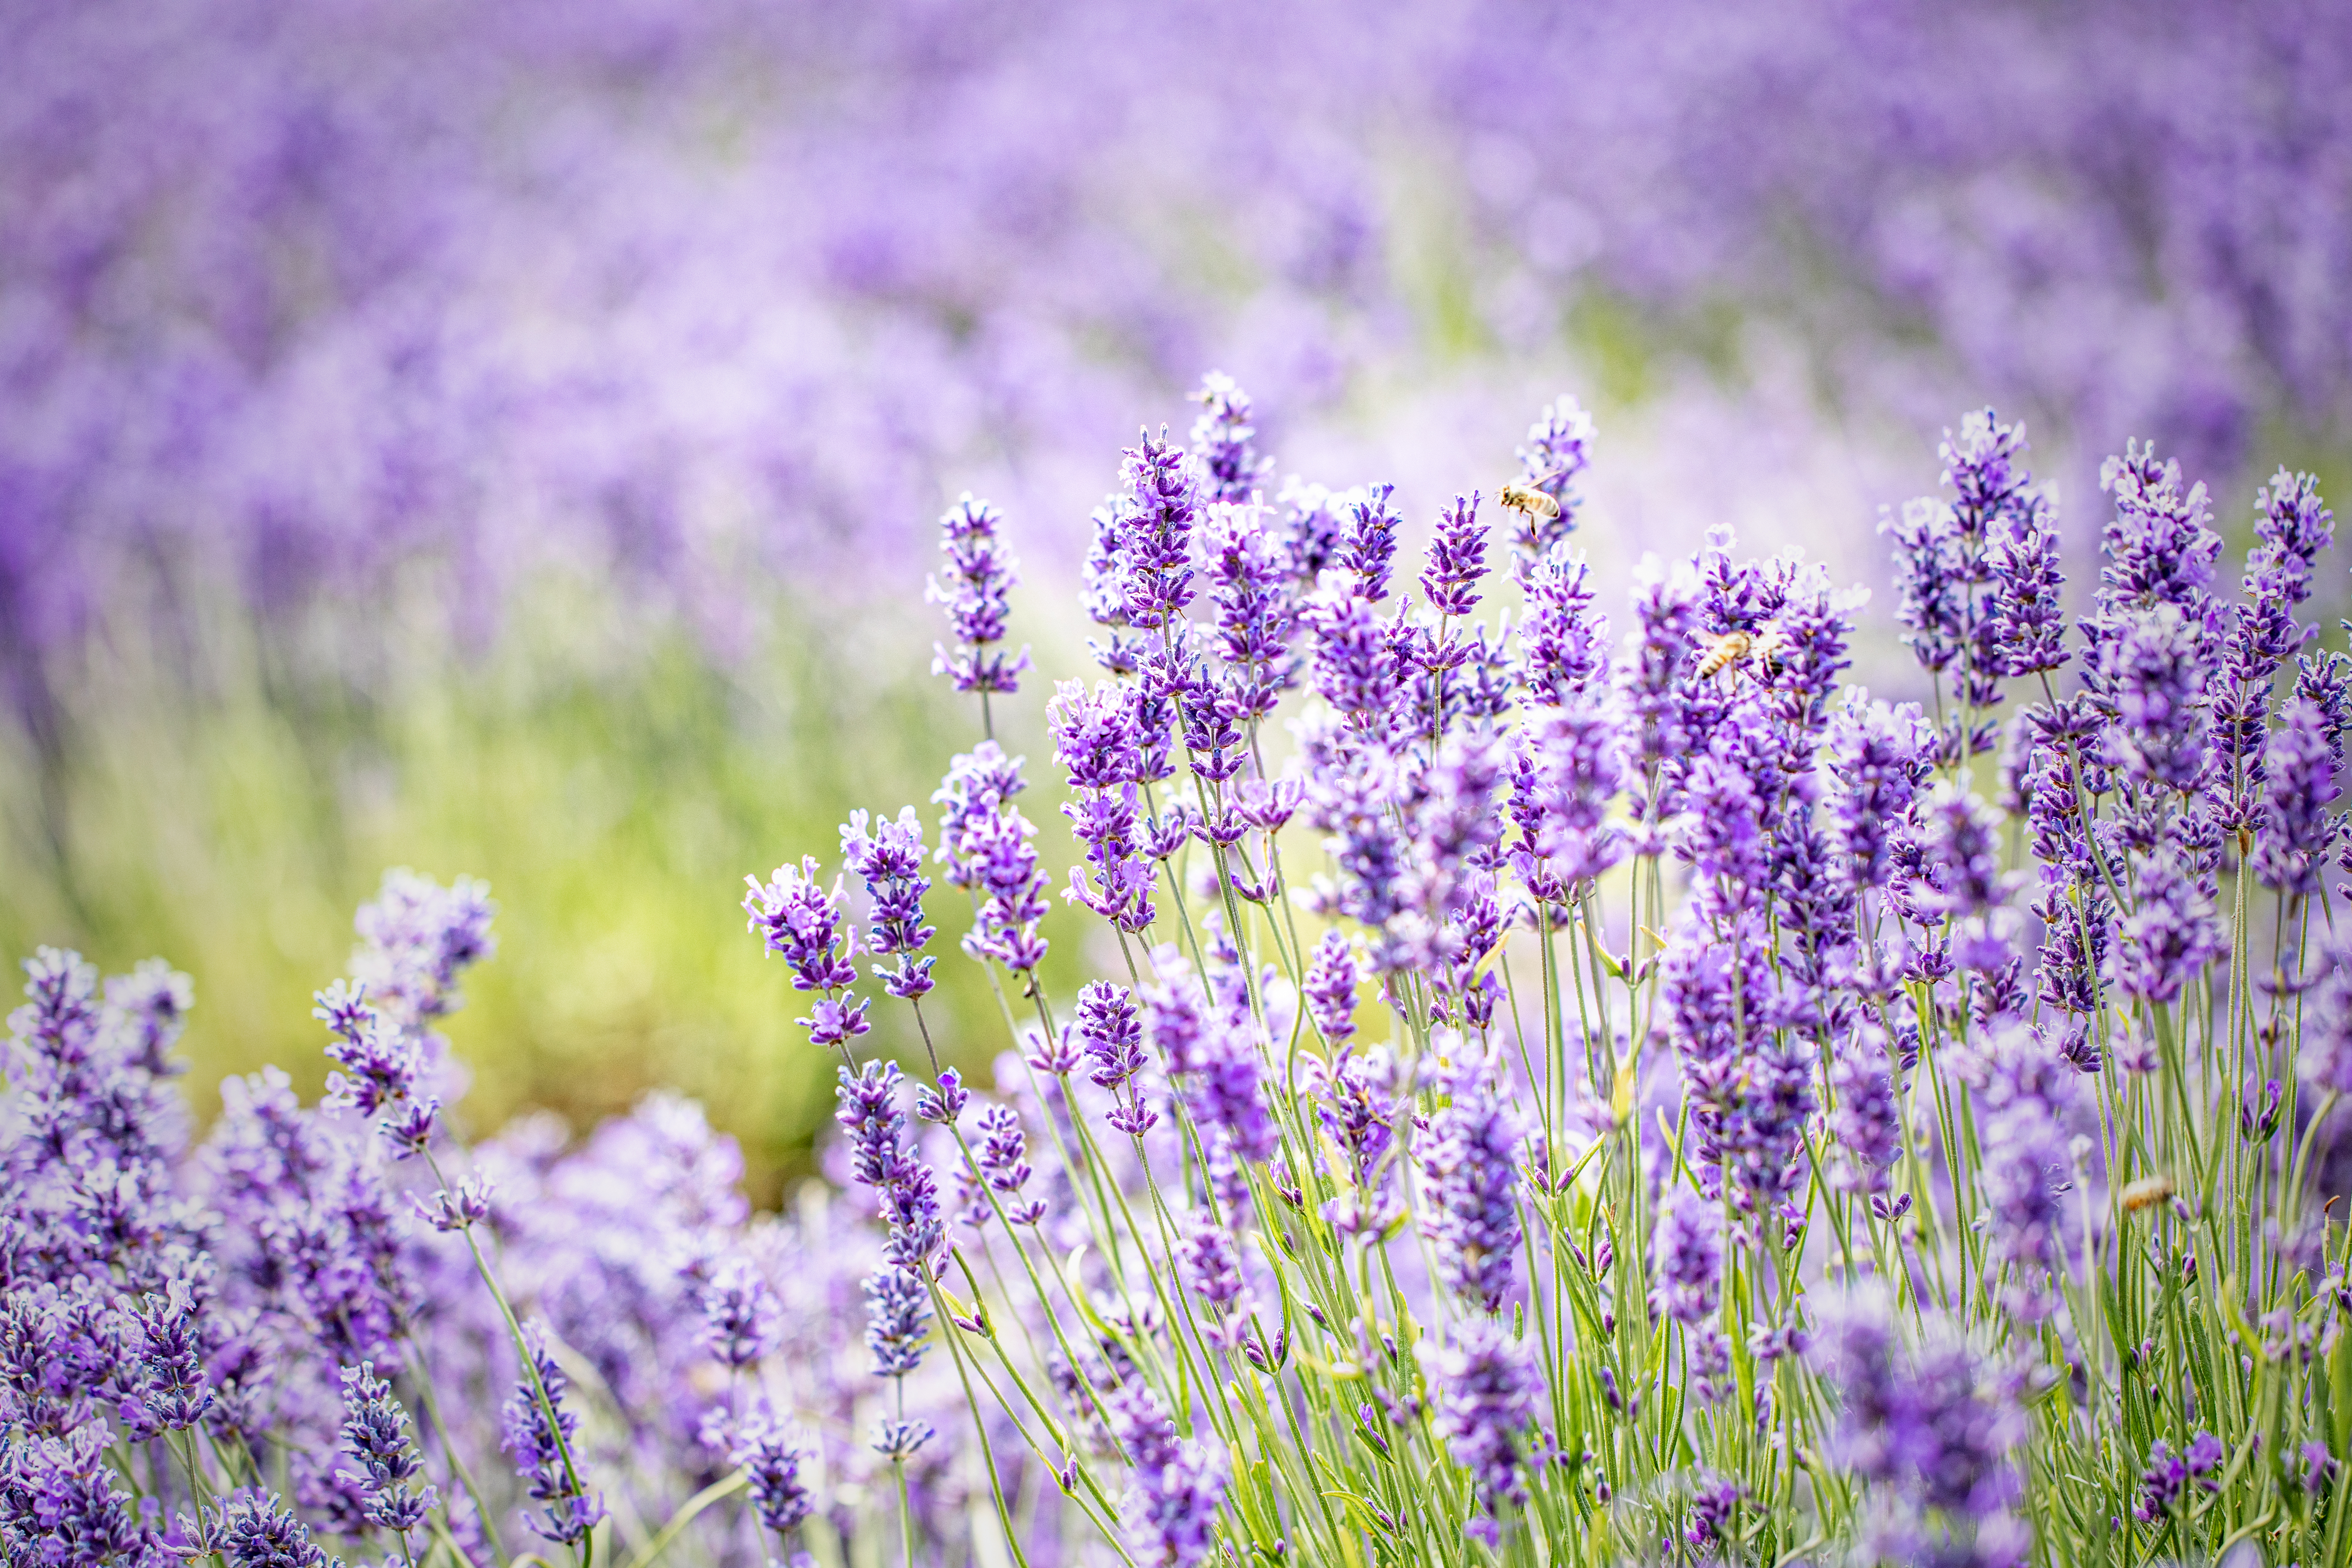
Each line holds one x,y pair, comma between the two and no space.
1457,558
1557,450
1176,1486
800,919
1222,440
1004,1161
973,587
740,1316
1469,1183
537,1435
1488,1386
889,861
770,1455
1331,990
376,1436
898,1320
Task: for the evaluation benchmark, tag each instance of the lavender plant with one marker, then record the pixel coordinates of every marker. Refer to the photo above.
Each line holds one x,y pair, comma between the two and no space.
1554,1098
1576,1102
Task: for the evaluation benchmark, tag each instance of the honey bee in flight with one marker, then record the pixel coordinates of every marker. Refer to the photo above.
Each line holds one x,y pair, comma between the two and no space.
1530,503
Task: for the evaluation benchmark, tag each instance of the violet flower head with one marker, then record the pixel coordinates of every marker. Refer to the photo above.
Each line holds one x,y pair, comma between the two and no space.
1934,1425
2171,933
2159,546
1469,1185
1368,547
1155,551
416,939
1354,667
2155,677
1174,1486
174,1394
149,1007
1487,1387
882,1156
375,1436
1686,1260
889,861
1002,1158
59,1504
980,783
1222,440
1210,1267
898,1320
1866,1126
1565,645
379,1061
251,1530
2299,826
739,1315
1457,558
797,917
1557,451
770,1455
1106,1023
980,572
537,1430
1330,989
1251,583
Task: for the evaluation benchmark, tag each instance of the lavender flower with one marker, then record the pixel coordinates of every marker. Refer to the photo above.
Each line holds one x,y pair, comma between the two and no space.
1368,547
1470,1211
1222,440
1257,610
1175,1485
1457,558
2171,933
770,1456
536,1434
1155,550
375,1436
980,783
739,1315
883,1158
1211,1270
1487,1388
1002,1159
251,1530
889,861
1566,646
59,1504
1866,1126
980,573
898,1320
1933,1424
1686,1261
1557,450
1330,991
2296,830
801,919
174,1396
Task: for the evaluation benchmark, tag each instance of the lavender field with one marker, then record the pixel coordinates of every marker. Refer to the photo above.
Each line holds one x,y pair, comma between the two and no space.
1522,783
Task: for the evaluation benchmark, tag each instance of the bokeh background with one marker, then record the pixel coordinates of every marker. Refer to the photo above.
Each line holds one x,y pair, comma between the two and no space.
507,439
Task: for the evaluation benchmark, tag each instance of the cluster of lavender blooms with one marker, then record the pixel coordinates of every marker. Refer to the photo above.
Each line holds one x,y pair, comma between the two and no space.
1549,1096
1558,1096
335,1331
277,305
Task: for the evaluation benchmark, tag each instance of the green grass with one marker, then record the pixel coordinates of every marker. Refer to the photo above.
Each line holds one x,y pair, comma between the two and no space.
227,802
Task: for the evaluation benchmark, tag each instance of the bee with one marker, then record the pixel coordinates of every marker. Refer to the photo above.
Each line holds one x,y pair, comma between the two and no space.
1725,653
1762,651
2146,1193
1530,503
1770,648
